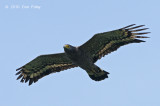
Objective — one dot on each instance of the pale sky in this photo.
(30, 28)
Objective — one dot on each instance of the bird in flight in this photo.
(83, 56)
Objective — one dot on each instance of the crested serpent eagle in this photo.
(83, 56)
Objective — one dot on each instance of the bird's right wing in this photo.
(42, 66)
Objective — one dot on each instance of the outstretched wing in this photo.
(42, 66)
(103, 43)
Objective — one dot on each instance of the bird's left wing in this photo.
(103, 43)
(42, 66)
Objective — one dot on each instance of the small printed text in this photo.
(22, 7)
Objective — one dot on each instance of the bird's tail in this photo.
(97, 74)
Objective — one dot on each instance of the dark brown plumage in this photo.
(83, 56)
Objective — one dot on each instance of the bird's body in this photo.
(76, 52)
(83, 56)
(85, 61)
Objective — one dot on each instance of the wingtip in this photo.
(140, 33)
(20, 76)
(142, 37)
(128, 26)
(139, 30)
(19, 68)
(30, 81)
(19, 72)
(132, 26)
(135, 27)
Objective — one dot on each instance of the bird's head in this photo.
(69, 48)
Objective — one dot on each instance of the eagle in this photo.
(84, 56)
